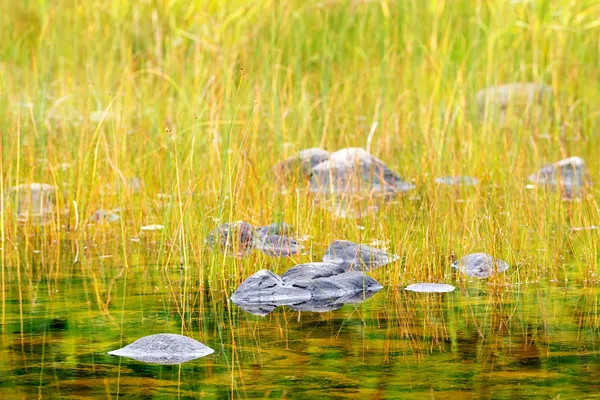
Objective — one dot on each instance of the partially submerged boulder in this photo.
(359, 256)
(513, 99)
(31, 202)
(480, 265)
(306, 288)
(355, 171)
(569, 176)
(298, 167)
(164, 348)
(235, 238)
(430, 288)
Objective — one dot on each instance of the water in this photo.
(482, 340)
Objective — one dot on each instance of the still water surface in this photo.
(481, 341)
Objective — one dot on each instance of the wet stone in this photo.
(430, 288)
(480, 265)
(301, 275)
(355, 171)
(31, 202)
(277, 246)
(569, 176)
(164, 348)
(357, 255)
(234, 238)
(304, 289)
(298, 167)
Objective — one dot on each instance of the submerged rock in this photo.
(306, 288)
(235, 238)
(569, 176)
(357, 255)
(457, 181)
(277, 246)
(276, 228)
(300, 274)
(430, 288)
(499, 102)
(164, 348)
(355, 171)
(31, 202)
(298, 167)
(480, 265)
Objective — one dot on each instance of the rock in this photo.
(298, 167)
(164, 348)
(276, 228)
(457, 181)
(307, 288)
(265, 287)
(354, 170)
(277, 246)
(512, 99)
(151, 228)
(357, 255)
(480, 265)
(33, 202)
(300, 274)
(430, 288)
(235, 238)
(569, 176)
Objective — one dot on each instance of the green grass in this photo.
(202, 98)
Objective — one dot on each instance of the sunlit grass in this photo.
(201, 99)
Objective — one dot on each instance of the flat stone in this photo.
(164, 348)
(234, 238)
(430, 288)
(569, 176)
(480, 265)
(357, 255)
(297, 168)
(355, 171)
(277, 246)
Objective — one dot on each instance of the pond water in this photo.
(484, 340)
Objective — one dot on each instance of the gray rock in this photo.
(480, 265)
(430, 288)
(164, 348)
(457, 181)
(304, 289)
(234, 238)
(357, 255)
(31, 202)
(514, 98)
(265, 287)
(301, 275)
(277, 246)
(569, 176)
(355, 171)
(298, 167)
(276, 228)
